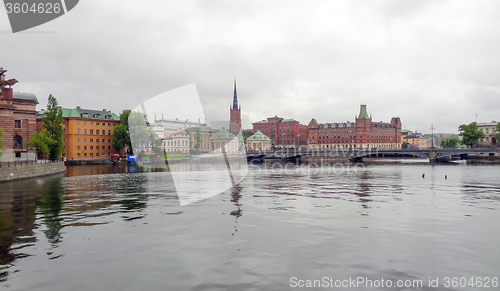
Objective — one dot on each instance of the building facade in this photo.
(363, 133)
(235, 114)
(177, 143)
(224, 142)
(171, 126)
(416, 141)
(17, 119)
(283, 133)
(490, 134)
(258, 142)
(87, 133)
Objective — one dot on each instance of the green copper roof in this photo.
(362, 113)
(83, 113)
(223, 135)
(258, 136)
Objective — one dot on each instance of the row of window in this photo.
(176, 143)
(92, 147)
(98, 132)
(91, 123)
(92, 140)
(92, 154)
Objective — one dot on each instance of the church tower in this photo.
(234, 114)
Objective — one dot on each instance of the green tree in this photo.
(405, 145)
(121, 136)
(197, 138)
(52, 124)
(449, 142)
(2, 134)
(470, 133)
(139, 131)
(40, 142)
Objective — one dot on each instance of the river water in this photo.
(118, 228)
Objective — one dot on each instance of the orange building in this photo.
(87, 134)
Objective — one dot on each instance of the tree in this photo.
(405, 145)
(197, 138)
(449, 142)
(122, 133)
(40, 142)
(2, 134)
(470, 133)
(52, 124)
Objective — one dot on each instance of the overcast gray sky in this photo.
(424, 61)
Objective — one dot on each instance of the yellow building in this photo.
(87, 133)
(416, 141)
(490, 134)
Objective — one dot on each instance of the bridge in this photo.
(433, 154)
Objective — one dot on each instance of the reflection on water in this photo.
(124, 227)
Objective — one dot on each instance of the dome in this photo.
(258, 136)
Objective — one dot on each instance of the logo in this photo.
(26, 14)
(170, 132)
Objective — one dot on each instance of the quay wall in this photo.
(30, 170)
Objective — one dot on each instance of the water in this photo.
(111, 228)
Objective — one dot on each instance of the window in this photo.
(78, 147)
(91, 140)
(18, 154)
(85, 131)
(91, 154)
(109, 132)
(103, 140)
(96, 140)
(97, 123)
(91, 131)
(103, 132)
(64, 130)
(109, 140)
(78, 140)
(97, 131)
(64, 122)
(79, 154)
(103, 154)
(17, 123)
(91, 123)
(84, 154)
(85, 122)
(84, 147)
(91, 147)
(78, 122)
(109, 124)
(78, 131)
(84, 140)
(18, 141)
(97, 147)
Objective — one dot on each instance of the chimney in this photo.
(7, 94)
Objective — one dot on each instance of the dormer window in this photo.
(108, 117)
(97, 115)
(84, 115)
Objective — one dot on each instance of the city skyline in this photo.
(427, 62)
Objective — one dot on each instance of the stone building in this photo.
(235, 114)
(177, 143)
(361, 134)
(224, 142)
(17, 119)
(287, 133)
(490, 138)
(171, 126)
(258, 142)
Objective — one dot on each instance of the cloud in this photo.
(419, 60)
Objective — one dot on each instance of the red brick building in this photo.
(362, 133)
(17, 119)
(235, 114)
(288, 133)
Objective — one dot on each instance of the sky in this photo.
(427, 62)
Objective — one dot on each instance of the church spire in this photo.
(235, 98)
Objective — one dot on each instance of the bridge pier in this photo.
(432, 155)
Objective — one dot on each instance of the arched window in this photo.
(18, 141)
